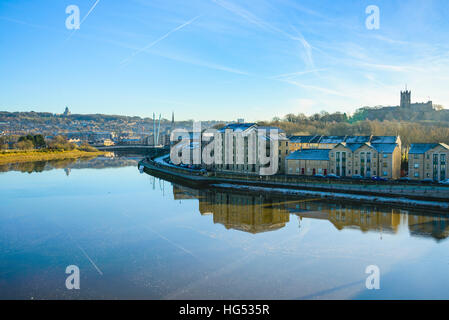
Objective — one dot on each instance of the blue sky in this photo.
(221, 59)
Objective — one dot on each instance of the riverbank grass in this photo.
(19, 156)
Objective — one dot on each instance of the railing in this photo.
(350, 185)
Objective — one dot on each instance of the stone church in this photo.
(414, 107)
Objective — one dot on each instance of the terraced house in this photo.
(366, 160)
(245, 137)
(308, 162)
(428, 161)
(347, 156)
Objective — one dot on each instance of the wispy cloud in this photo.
(171, 56)
(25, 23)
(151, 44)
(198, 62)
(299, 73)
(245, 14)
(316, 88)
(307, 57)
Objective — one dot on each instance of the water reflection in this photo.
(256, 213)
(111, 161)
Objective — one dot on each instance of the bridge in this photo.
(139, 149)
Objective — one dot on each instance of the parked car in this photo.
(405, 179)
(357, 176)
(332, 176)
(376, 178)
(445, 182)
(319, 175)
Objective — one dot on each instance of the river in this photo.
(134, 236)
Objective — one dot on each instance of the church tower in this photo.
(406, 98)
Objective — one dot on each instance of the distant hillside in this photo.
(399, 114)
(31, 115)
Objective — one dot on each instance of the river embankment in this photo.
(405, 195)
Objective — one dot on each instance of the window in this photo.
(385, 173)
(416, 156)
(385, 156)
(417, 174)
(416, 165)
(435, 167)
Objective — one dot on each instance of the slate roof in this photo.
(384, 139)
(304, 139)
(354, 146)
(385, 147)
(421, 148)
(239, 127)
(309, 154)
(332, 139)
(357, 139)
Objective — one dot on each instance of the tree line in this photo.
(38, 142)
(340, 124)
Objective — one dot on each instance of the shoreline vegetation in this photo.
(32, 148)
(21, 156)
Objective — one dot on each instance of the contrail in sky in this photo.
(85, 17)
(158, 40)
(88, 13)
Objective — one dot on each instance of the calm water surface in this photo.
(136, 236)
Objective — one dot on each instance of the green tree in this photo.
(24, 145)
(39, 141)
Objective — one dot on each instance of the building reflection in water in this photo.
(256, 213)
(244, 212)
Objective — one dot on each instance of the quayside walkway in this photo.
(382, 192)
